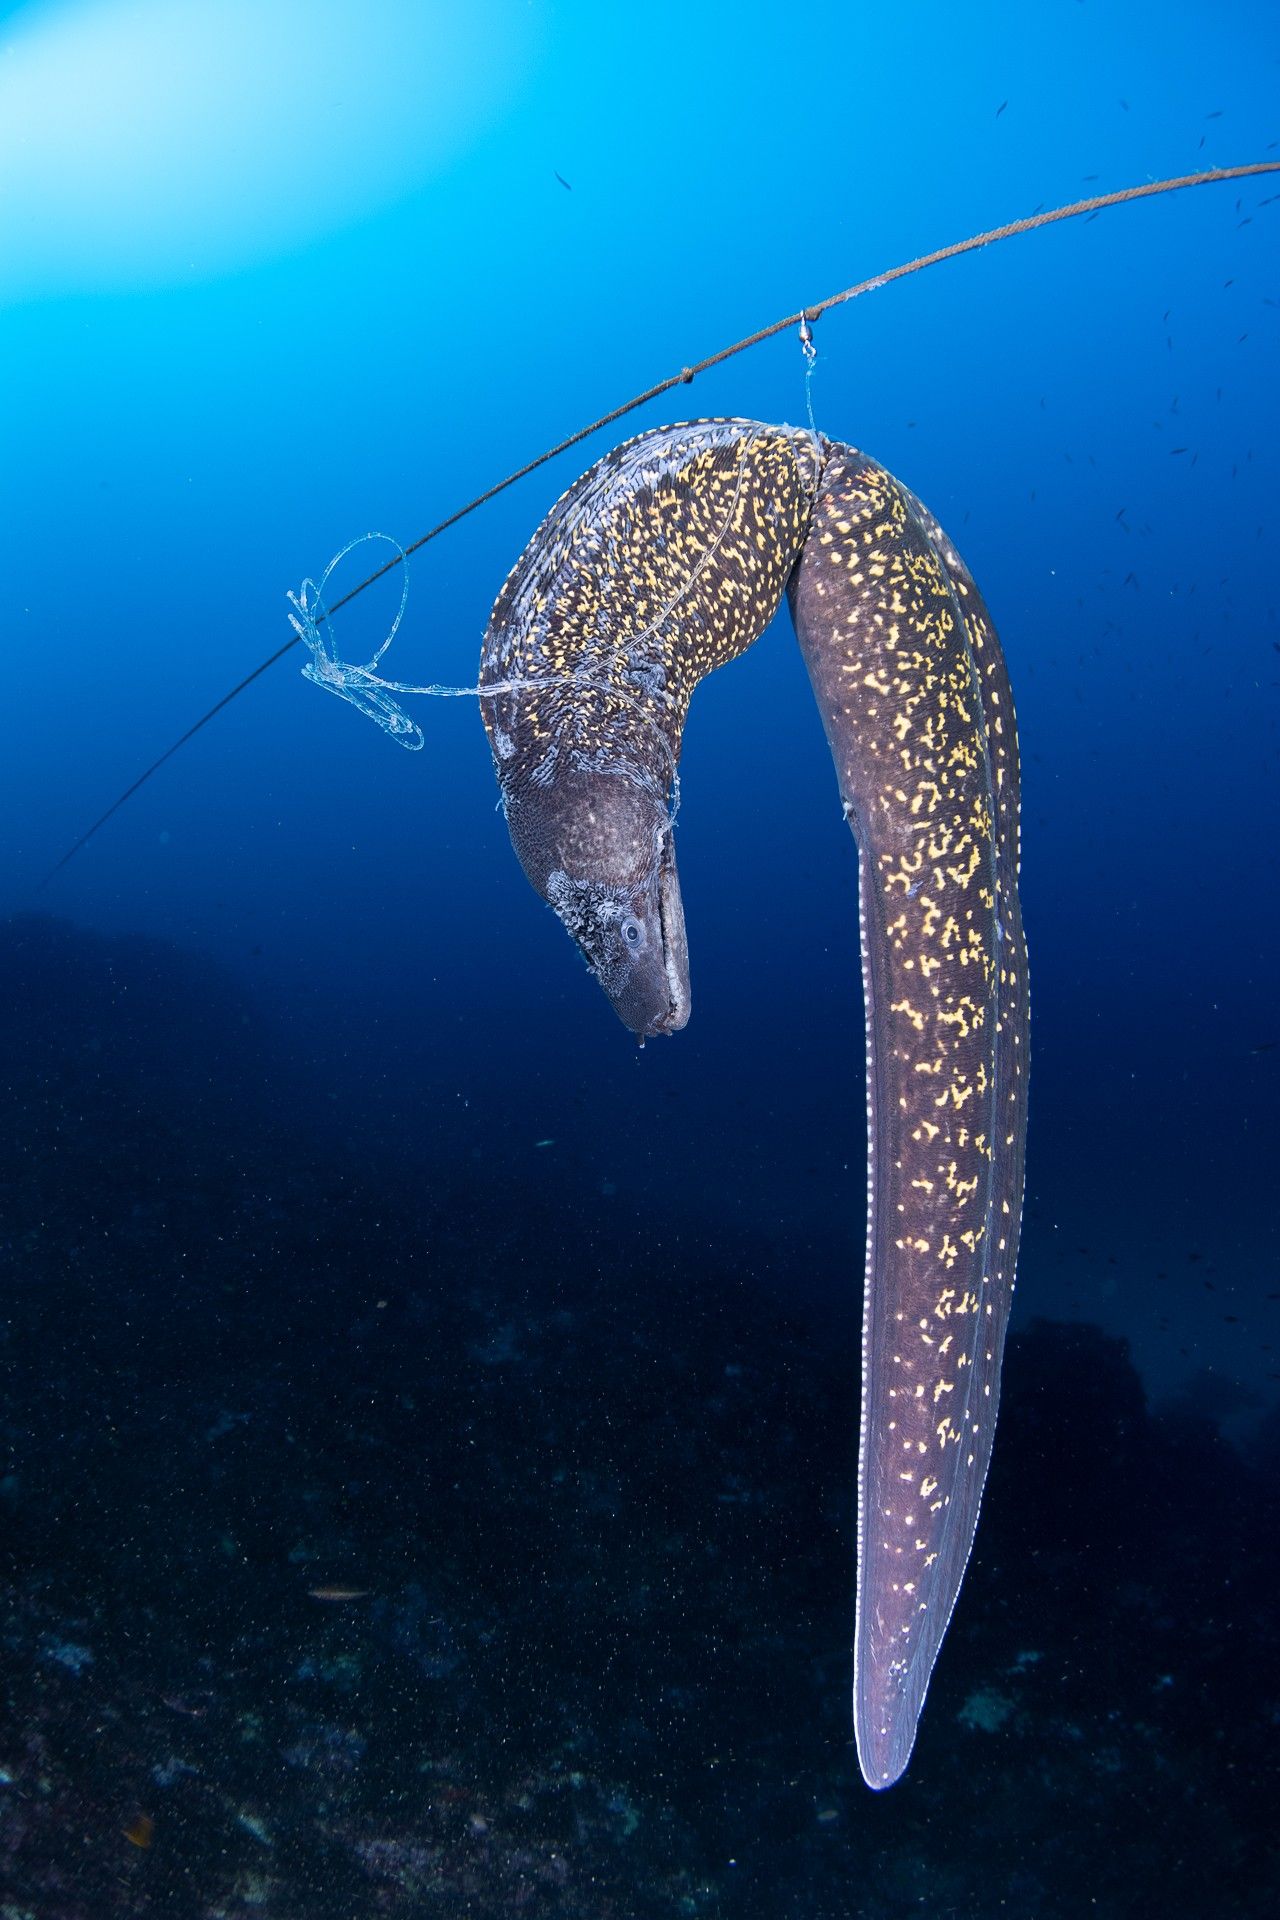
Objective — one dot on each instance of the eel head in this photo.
(598, 847)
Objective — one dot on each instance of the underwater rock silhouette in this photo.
(656, 1493)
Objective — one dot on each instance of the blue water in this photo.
(272, 277)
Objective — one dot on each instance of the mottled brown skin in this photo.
(664, 561)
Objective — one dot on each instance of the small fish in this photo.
(139, 1832)
(544, 1143)
(177, 1704)
(339, 1593)
(1000, 109)
(563, 182)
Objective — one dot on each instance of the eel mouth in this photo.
(675, 948)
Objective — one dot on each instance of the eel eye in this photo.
(632, 932)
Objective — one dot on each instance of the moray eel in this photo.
(665, 560)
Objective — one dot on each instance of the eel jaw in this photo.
(675, 945)
(650, 992)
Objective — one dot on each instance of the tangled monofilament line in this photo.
(364, 688)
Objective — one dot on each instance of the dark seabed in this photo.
(587, 1494)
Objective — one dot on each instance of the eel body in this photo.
(664, 561)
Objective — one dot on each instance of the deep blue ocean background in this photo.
(344, 1229)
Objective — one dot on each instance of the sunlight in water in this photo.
(148, 142)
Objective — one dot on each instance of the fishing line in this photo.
(367, 689)
(804, 319)
(810, 353)
(364, 688)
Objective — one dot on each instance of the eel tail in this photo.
(911, 684)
